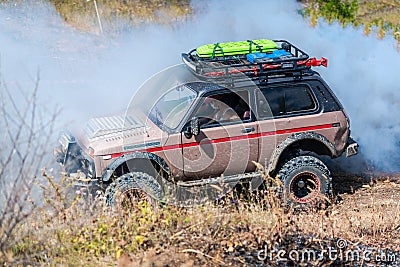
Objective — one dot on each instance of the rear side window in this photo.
(281, 101)
(298, 99)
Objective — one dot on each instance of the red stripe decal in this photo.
(228, 139)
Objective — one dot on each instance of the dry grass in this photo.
(372, 214)
(82, 14)
(114, 16)
(89, 234)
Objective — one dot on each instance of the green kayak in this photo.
(236, 48)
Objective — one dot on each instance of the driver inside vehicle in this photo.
(215, 110)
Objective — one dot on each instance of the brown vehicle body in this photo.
(285, 117)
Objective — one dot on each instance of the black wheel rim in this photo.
(305, 187)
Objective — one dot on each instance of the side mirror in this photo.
(193, 128)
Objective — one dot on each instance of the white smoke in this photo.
(95, 75)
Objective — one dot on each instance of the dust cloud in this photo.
(91, 75)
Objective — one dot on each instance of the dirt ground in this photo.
(375, 203)
(365, 214)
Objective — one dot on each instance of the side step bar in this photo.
(222, 180)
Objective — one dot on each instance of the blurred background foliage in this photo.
(380, 16)
(82, 14)
(114, 15)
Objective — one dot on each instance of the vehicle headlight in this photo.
(65, 140)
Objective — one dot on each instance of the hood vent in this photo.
(103, 126)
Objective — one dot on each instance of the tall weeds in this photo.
(24, 131)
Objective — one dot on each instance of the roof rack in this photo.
(256, 62)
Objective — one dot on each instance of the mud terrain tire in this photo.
(306, 180)
(139, 183)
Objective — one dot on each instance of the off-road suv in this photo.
(202, 125)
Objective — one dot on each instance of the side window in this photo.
(298, 99)
(223, 108)
(271, 102)
(280, 101)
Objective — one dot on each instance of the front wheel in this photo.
(131, 188)
(305, 180)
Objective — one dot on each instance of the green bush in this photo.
(334, 10)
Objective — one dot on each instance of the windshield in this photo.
(172, 107)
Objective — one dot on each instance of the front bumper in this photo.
(74, 159)
(351, 147)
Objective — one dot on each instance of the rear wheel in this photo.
(131, 188)
(306, 180)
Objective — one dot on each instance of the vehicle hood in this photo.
(120, 133)
(106, 126)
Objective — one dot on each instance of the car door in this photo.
(280, 112)
(227, 143)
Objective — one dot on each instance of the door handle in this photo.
(248, 130)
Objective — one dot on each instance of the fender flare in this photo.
(108, 172)
(295, 138)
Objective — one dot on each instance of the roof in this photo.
(202, 87)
